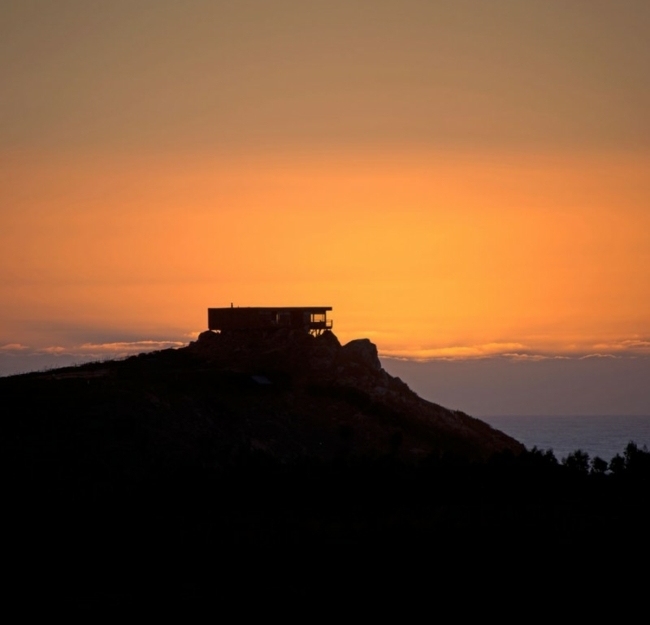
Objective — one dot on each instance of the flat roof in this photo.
(270, 308)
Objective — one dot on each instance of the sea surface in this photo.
(597, 435)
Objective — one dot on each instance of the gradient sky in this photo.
(462, 181)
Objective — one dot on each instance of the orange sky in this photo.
(459, 180)
(427, 254)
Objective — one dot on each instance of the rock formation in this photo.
(342, 395)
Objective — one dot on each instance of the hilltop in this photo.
(286, 395)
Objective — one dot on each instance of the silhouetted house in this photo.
(308, 318)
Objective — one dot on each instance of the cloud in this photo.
(129, 346)
(456, 352)
(525, 357)
(13, 347)
(55, 349)
(513, 351)
(117, 349)
(634, 345)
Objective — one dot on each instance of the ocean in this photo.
(597, 435)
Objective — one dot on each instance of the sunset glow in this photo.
(460, 181)
(430, 255)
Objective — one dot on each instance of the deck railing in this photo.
(321, 325)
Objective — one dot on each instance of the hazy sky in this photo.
(460, 180)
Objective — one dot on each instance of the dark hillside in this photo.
(288, 395)
(260, 470)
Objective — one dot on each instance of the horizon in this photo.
(466, 184)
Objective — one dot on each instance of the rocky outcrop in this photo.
(355, 394)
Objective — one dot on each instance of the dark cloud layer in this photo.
(501, 386)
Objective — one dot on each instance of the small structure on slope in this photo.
(311, 319)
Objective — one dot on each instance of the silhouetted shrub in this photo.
(598, 466)
(577, 461)
(617, 465)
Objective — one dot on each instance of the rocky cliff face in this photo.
(227, 398)
(342, 393)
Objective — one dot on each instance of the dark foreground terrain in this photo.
(284, 468)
